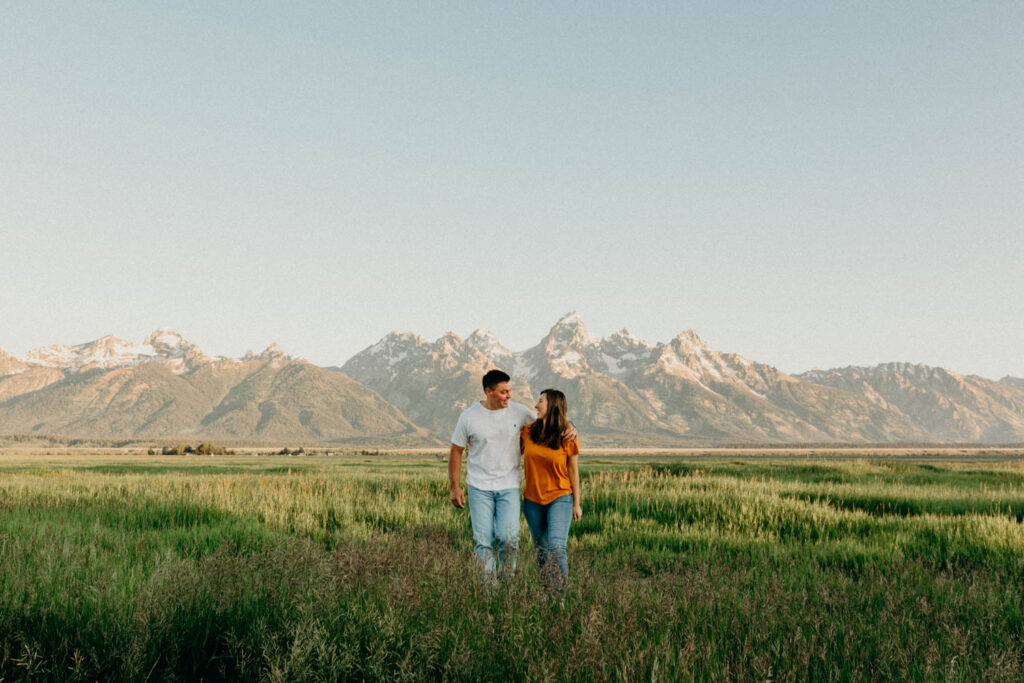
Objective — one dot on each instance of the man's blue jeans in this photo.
(549, 526)
(495, 518)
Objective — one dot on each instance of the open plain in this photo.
(706, 565)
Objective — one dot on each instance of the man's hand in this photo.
(458, 498)
(570, 432)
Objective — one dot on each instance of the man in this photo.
(490, 429)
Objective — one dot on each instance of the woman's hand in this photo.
(577, 512)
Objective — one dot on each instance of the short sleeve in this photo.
(460, 437)
(572, 447)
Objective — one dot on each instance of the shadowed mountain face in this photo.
(166, 387)
(947, 405)
(625, 390)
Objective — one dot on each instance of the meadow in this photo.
(244, 568)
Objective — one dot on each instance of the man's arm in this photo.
(457, 497)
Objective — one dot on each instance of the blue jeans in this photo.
(549, 526)
(495, 518)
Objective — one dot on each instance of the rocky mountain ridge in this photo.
(163, 345)
(626, 390)
(407, 390)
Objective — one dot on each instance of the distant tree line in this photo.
(201, 449)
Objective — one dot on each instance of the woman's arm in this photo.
(577, 493)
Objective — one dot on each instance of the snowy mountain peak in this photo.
(166, 340)
(569, 331)
(624, 339)
(449, 342)
(908, 371)
(570, 318)
(625, 335)
(487, 343)
(54, 355)
(689, 342)
(396, 342)
(110, 352)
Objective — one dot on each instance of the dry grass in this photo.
(355, 568)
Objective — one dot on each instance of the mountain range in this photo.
(406, 390)
(167, 387)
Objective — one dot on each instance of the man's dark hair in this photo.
(493, 378)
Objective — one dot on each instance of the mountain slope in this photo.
(167, 387)
(948, 406)
(9, 365)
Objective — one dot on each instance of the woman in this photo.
(552, 497)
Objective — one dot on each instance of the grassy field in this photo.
(188, 568)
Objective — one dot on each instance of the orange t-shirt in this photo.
(546, 469)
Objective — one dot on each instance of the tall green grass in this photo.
(299, 569)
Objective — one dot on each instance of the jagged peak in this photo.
(570, 318)
(392, 338)
(626, 338)
(273, 352)
(480, 334)
(901, 368)
(450, 338)
(165, 337)
(108, 342)
(486, 342)
(569, 330)
(689, 341)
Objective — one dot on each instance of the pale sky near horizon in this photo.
(806, 184)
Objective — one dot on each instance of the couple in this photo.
(496, 432)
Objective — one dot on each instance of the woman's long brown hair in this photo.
(548, 430)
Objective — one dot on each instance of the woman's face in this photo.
(542, 407)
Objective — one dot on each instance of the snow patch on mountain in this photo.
(487, 343)
(164, 345)
(569, 364)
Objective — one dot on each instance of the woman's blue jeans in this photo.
(549, 526)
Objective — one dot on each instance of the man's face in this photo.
(499, 395)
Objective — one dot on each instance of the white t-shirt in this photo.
(491, 438)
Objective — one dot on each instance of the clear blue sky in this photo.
(807, 184)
